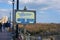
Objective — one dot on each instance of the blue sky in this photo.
(47, 11)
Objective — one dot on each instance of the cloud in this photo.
(53, 3)
(27, 1)
(6, 1)
(33, 1)
(10, 2)
(50, 4)
(45, 8)
(4, 12)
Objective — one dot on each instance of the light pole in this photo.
(12, 2)
(13, 10)
(12, 23)
(17, 5)
(17, 8)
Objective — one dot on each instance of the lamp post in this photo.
(13, 15)
(17, 8)
(17, 5)
(13, 9)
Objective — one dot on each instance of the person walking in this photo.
(6, 26)
(0, 27)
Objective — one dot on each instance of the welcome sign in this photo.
(25, 17)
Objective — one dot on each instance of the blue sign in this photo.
(25, 17)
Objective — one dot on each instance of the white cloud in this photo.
(52, 4)
(33, 1)
(55, 4)
(9, 2)
(45, 8)
(26, 1)
(6, 1)
(4, 12)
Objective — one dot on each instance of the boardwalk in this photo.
(5, 36)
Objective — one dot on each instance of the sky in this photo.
(47, 11)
